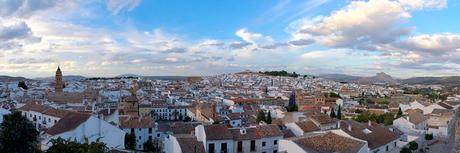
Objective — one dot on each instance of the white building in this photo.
(323, 142)
(143, 128)
(440, 123)
(219, 138)
(81, 126)
(42, 116)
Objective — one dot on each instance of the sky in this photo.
(403, 38)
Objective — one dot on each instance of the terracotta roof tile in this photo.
(328, 143)
(377, 137)
(69, 122)
(217, 132)
(136, 122)
(308, 126)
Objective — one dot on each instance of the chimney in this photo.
(243, 131)
(369, 123)
(349, 127)
(338, 124)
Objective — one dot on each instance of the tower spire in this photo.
(58, 80)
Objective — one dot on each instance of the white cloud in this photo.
(254, 38)
(435, 43)
(25, 8)
(171, 59)
(421, 4)
(117, 6)
(360, 22)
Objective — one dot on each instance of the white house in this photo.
(379, 139)
(81, 126)
(414, 123)
(143, 128)
(323, 142)
(219, 138)
(440, 122)
(42, 116)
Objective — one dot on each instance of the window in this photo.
(253, 145)
(275, 142)
(275, 151)
(140, 129)
(150, 137)
(150, 130)
(387, 148)
(394, 144)
(240, 146)
(158, 135)
(263, 144)
(211, 148)
(132, 130)
(55, 121)
(223, 148)
(39, 117)
(264, 152)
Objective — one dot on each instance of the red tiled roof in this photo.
(307, 126)
(136, 122)
(377, 137)
(217, 132)
(328, 143)
(69, 122)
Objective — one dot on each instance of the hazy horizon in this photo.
(106, 38)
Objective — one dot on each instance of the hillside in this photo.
(447, 81)
(378, 78)
(5, 78)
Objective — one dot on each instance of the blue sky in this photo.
(404, 38)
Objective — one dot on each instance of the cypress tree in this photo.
(332, 115)
(339, 113)
(269, 118)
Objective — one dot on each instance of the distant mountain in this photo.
(340, 77)
(5, 78)
(64, 78)
(378, 78)
(447, 81)
(129, 75)
(165, 77)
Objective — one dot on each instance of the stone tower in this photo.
(58, 84)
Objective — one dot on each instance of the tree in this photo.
(22, 84)
(405, 150)
(413, 145)
(130, 141)
(339, 113)
(149, 146)
(400, 113)
(260, 116)
(334, 95)
(429, 136)
(268, 120)
(60, 145)
(332, 114)
(17, 134)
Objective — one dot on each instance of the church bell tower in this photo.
(58, 84)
